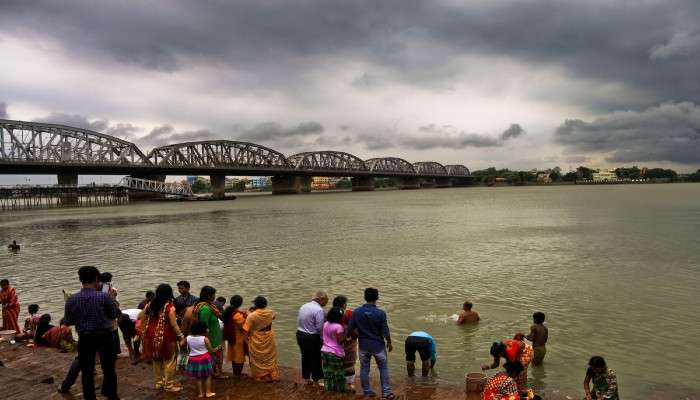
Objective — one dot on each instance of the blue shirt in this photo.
(371, 326)
(433, 349)
(90, 311)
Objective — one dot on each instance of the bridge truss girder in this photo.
(457, 170)
(430, 168)
(393, 165)
(217, 154)
(35, 142)
(327, 161)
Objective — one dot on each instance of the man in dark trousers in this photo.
(93, 313)
(309, 337)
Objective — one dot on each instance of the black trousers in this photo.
(90, 344)
(310, 346)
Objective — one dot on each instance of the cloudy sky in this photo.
(518, 84)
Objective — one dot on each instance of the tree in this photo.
(201, 186)
(628, 173)
(584, 173)
(344, 183)
(555, 174)
(660, 173)
(695, 177)
(570, 177)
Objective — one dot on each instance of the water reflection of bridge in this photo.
(39, 148)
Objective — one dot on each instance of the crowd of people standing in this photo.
(197, 334)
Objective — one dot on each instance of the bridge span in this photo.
(42, 148)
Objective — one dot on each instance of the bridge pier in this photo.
(427, 183)
(460, 182)
(147, 196)
(68, 198)
(362, 183)
(305, 183)
(442, 182)
(291, 184)
(218, 186)
(409, 183)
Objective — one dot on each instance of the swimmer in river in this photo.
(467, 315)
(13, 246)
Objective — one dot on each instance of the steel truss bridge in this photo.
(41, 148)
(154, 186)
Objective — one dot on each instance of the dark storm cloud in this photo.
(375, 142)
(513, 131)
(120, 130)
(270, 131)
(445, 136)
(166, 134)
(647, 45)
(75, 120)
(431, 136)
(3, 109)
(668, 132)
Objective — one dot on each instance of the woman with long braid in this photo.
(160, 335)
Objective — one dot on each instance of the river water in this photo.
(615, 268)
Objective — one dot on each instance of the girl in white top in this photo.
(200, 364)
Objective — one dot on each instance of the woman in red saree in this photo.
(159, 337)
(502, 386)
(10, 307)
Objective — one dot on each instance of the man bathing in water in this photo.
(13, 246)
(467, 315)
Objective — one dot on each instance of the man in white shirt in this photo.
(309, 336)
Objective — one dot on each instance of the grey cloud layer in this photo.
(3, 109)
(120, 130)
(668, 132)
(166, 134)
(649, 45)
(311, 135)
(513, 131)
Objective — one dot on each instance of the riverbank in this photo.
(34, 373)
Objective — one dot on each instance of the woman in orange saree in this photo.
(234, 319)
(10, 307)
(261, 342)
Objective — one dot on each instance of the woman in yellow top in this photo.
(261, 342)
(234, 319)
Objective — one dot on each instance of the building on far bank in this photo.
(604, 175)
(321, 183)
(544, 177)
(257, 183)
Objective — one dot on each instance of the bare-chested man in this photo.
(467, 315)
(538, 336)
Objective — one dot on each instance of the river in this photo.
(615, 268)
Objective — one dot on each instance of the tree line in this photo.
(514, 177)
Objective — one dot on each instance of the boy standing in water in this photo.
(538, 336)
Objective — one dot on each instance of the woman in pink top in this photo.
(332, 352)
